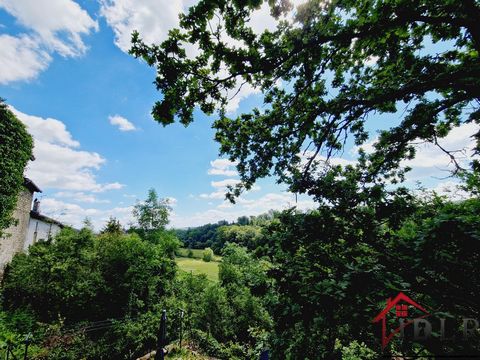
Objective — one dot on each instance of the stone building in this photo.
(31, 226)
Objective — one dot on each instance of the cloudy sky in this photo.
(66, 73)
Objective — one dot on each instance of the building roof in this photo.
(44, 218)
(30, 185)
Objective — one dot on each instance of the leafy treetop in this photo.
(152, 214)
(322, 76)
(112, 226)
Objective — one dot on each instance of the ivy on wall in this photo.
(16, 146)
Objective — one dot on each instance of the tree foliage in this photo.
(248, 236)
(16, 146)
(152, 214)
(334, 274)
(200, 237)
(87, 296)
(323, 75)
(112, 226)
(207, 255)
(79, 276)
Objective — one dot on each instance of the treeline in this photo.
(246, 231)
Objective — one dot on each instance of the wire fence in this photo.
(10, 349)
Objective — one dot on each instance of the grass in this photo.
(197, 253)
(197, 266)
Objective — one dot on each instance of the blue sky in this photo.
(65, 71)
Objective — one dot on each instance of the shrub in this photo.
(207, 255)
(207, 343)
(83, 277)
(356, 350)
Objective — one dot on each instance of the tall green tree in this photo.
(112, 226)
(323, 75)
(152, 214)
(16, 146)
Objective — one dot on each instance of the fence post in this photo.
(27, 343)
(160, 355)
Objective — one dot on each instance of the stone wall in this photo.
(39, 230)
(13, 242)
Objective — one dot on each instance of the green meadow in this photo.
(196, 253)
(197, 266)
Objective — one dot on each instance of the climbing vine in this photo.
(16, 146)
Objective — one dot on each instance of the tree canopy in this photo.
(152, 214)
(323, 74)
(16, 146)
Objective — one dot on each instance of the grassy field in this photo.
(197, 266)
(197, 253)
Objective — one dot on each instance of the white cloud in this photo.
(225, 205)
(214, 171)
(459, 139)
(58, 23)
(219, 194)
(54, 26)
(243, 207)
(80, 197)
(430, 161)
(261, 20)
(222, 167)
(319, 162)
(151, 18)
(172, 201)
(49, 130)
(122, 123)
(110, 186)
(225, 183)
(451, 190)
(74, 214)
(201, 218)
(21, 58)
(276, 201)
(58, 163)
(237, 94)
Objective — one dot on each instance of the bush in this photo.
(78, 279)
(356, 350)
(169, 243)
(212, 347)
(207, 255)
